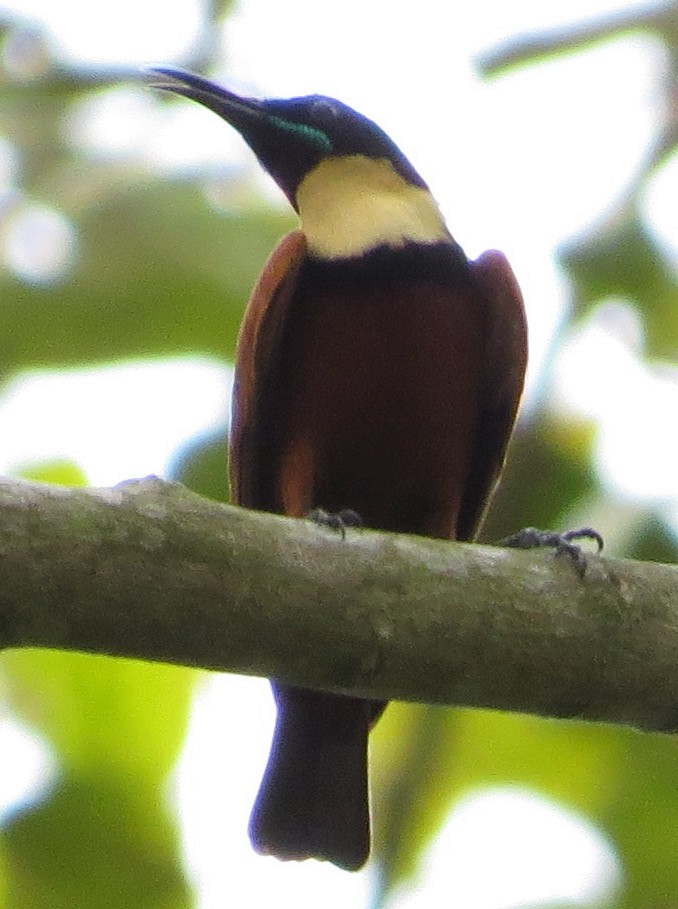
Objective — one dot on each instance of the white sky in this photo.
(507, 162)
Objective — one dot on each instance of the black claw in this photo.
(336, 520)
(584, 533)
(533, 538)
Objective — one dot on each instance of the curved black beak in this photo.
(285, 149)
(244, 114)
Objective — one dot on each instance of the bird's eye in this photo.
(324, 111)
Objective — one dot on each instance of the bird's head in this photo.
(339, 170)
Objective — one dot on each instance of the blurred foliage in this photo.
(203, 466)
(623, 781)
(622, 260)
(118, 307)
(59, 473)
(550, 446)
(104, 836)
(158, 270)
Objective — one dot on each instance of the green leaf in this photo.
(60, 473)
(413, 785)
(622, 260)
(158, 273)
(95, 844)
(442, 754)
(203, 466)
(105, 836)
(654, 541)
(102, 710)
(548, 469)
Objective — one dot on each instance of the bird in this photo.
(378, 372)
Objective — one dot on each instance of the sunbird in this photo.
(378, 371)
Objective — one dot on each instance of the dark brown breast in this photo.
(374, 399)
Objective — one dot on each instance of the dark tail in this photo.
(313, 800)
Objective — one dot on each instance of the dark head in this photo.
(323, 153)
(291, 136)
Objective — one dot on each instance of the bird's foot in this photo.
(562, 543)
(336, 520)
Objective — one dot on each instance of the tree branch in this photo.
(657, 17)
(151, 570)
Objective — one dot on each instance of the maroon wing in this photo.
(256, 359)
(504, 363)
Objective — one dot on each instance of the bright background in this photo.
(131, 228)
